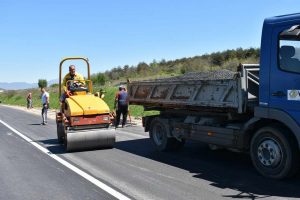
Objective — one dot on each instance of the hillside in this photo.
(228, 59)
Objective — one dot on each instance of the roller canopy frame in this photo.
(86, 60)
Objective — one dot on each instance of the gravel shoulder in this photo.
(52, 113)
(36, 111)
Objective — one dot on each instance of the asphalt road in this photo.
(133, 168)
(27, 173)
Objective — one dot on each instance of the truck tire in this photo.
(159, 137)
(60, 133)
(274, 153)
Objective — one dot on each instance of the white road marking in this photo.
(83, 174)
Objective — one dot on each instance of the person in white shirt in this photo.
(45, 101)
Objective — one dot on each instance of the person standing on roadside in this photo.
(121, 103)
(29, 100)
(45, 102)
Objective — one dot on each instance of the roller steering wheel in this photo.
(76, 84)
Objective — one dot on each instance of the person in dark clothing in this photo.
(121, 103)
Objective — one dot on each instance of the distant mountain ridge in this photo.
(22, 85)
(17, 85)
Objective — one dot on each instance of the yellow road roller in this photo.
(83, 122)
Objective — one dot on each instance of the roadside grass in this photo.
(109, 98)
(18, 98)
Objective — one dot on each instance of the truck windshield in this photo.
(289, 55)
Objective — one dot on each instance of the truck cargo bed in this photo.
(201, 90)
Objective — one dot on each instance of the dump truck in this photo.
(83, 122)
(255, 109)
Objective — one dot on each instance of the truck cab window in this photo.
(289, 55)
(289, 50)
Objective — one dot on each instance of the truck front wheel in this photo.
(159, 136)
(274, 153)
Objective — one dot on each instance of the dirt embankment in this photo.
(37, 111)
(52, 112)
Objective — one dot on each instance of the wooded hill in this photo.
(228, 59)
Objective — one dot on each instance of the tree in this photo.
(240, 54)
(142, 68)
(217, 58)
(125, 68)
(42, 83)
(162, 62)
(229, 54)
(154, 64)
(101, 79)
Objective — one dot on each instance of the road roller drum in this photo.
(89, 139)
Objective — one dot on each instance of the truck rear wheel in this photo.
(60, 132)
(274, 153)
(159, 136)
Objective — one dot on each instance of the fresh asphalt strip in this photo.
(78, 171)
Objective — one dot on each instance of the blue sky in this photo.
(36, 35)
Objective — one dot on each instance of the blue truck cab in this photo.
(275, 146)
(280, 65)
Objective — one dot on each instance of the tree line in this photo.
(228, 59)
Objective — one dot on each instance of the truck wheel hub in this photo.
(269, 153)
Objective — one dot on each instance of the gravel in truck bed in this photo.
(212, 75)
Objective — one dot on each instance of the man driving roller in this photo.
(71, 76)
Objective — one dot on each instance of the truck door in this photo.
(285, 71)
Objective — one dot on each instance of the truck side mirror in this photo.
(291, 33)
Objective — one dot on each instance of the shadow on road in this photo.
(223, 168)
(53, 146)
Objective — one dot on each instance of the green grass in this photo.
(18, 97)
(109, 98)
